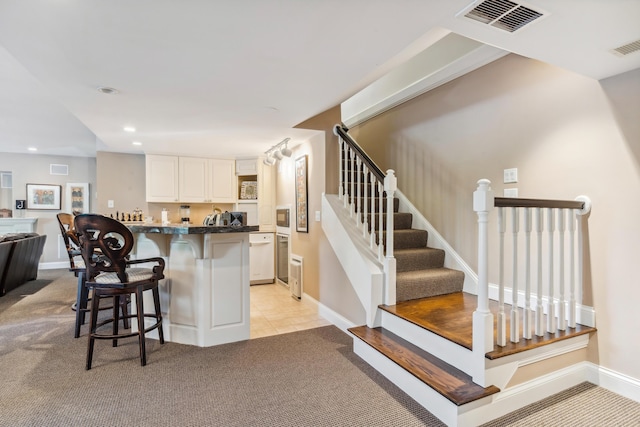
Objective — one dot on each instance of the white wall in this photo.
(567, 135)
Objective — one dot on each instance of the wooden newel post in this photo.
(483, 202)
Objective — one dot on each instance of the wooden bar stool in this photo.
(111, 274)
(77, 267)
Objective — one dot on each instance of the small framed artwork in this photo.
(44, 196)
(77, 198)
(301, 195)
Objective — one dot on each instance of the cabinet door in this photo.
(222, 180)
(161, 178)
(194, 180)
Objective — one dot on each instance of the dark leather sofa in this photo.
(19, 257)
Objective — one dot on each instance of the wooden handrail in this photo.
(513, 202)
(341, 131)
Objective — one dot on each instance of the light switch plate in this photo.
(511, 176)
(110, 203)
(317, 216)
(510, 192)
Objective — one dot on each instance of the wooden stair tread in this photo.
(447, 380)
(451, 316)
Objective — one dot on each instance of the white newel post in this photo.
(483, 202)
(390, 187)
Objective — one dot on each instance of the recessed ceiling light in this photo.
(137, 143)
(129, 129)
(32, 149)
(108, 90)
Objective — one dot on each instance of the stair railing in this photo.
(560, 270)
(361, 184)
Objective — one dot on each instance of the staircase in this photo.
(420, 270)
(423, 340)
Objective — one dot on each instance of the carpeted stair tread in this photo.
(401, 220)
(455, 385)
(411, 238)
(426, 283)
(418, 258)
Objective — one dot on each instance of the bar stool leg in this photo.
(116, 318)
(79, 297)
(156, 303)
(140, 315)
(95, 301)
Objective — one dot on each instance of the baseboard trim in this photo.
(336, 319)
(53, 265)
(616, 382)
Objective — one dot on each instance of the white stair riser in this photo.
(443, 349)
(427, 397)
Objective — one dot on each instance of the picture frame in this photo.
(302, 217)
(44, 197)
(77, 198)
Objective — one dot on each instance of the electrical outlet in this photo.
(510, 192)
(110, 203)
(511, 176)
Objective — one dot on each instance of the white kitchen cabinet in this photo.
(162, 178)
(222, 181)
(190, 179)
(194, 177)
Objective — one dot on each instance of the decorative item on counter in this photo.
(214, 217)
(225, 218)
(165, 216)
(238, 219)
(185, 213)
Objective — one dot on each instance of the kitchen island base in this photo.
(205, 293)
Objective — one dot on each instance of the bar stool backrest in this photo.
(107, 237)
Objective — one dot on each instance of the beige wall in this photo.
(34, 169)
(568, 135)
(325, 280)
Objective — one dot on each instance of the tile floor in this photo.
(274, 312)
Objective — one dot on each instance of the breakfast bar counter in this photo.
(205, 293)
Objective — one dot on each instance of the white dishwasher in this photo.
(261, 258)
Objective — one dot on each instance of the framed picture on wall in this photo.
(301, 195)
(44, 196)
(77, 198)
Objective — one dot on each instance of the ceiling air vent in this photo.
(503, 14)
(627, 48)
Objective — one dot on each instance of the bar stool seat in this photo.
(112, 274)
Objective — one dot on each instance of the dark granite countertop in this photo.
(189, 229)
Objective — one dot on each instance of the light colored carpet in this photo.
(306, 378)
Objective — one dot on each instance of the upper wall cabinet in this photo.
(162, 178)
(197, 180)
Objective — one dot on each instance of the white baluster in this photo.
(380, 223)
(372, 234)
(515, 315)
(526, 319)
(551, 312)
(342, 169)
(501, 335)
(365, 218)
(539, 308)
(352, 193)
(573, 217)
(562, 319)
(358, 217)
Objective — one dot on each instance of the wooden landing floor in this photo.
(450, 316)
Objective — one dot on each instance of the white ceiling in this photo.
(232, 78)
